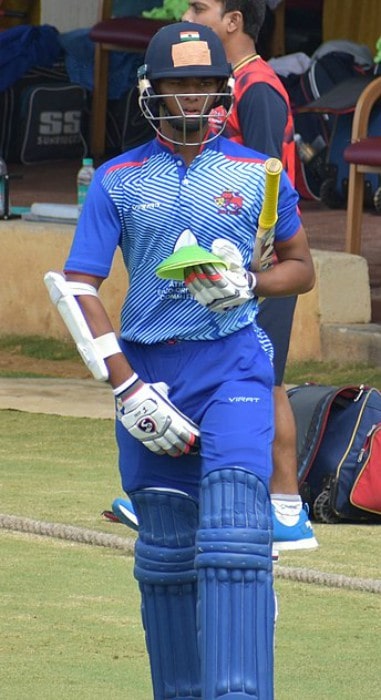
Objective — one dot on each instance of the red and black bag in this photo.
(366, 491)
(339, 451)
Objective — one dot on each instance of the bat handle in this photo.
(269, 214)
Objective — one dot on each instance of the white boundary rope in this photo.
(66, 532)
(320, 578)
(126, 544)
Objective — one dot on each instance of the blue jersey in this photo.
(144, 200)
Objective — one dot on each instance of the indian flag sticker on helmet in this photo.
(189, 36)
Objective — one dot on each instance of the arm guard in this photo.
(92, 350)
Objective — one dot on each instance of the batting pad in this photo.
(164, 567)
(235, 587)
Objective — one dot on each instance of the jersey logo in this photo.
(229, 202)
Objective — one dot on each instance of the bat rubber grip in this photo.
(269, 214)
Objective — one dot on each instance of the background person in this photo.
(261, 119)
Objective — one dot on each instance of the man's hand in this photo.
(220, 290)
(149, 416)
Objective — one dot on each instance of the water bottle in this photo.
(305, 150)
(84, 177)
(4, 191)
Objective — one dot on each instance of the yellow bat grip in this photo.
(269, 214)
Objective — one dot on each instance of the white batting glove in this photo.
(149, 416)
(217, 289)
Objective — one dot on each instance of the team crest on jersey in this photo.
(229, 202)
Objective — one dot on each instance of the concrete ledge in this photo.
(342, 287)
(355, 342)
(340, 297)
(28, 251)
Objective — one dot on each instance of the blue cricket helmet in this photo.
(186, 49)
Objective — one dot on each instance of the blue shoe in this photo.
(124, 511)
(289, 533)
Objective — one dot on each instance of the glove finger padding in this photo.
(150, 417)
(217, 289)
(204, 283)
(228, 251)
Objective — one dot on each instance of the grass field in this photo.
(60, 354)
(69, 612)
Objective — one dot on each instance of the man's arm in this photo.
(294, 273)
(222, 290)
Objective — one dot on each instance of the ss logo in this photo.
(57, 123)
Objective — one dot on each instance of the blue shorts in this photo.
(275, 316)
(225, 386)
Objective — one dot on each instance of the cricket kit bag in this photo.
(6, 111)
(45, 114)
(126, 127)
(339, 451)
(329, 167)
(332, 64)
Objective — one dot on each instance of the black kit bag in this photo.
(330, 166)
(333, 63)
(338, 433)
(46, 116)
(126, 127)
(6, 118)
(324, 73)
